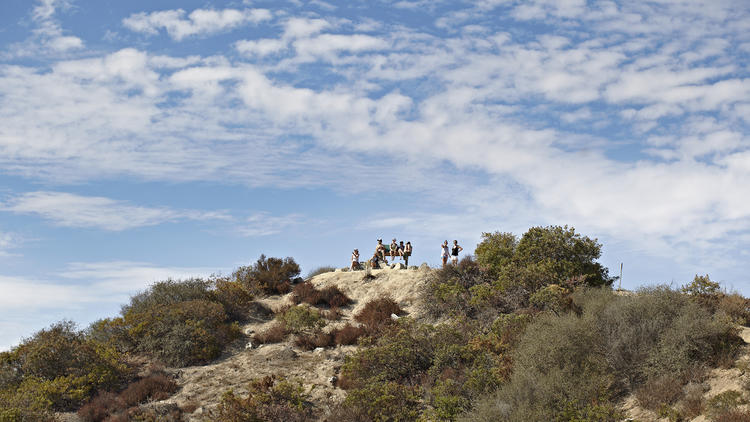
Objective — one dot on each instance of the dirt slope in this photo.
(205, 384)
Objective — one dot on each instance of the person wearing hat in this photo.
(355, 260)
(380, 251)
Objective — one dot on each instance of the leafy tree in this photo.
(543, 256)
(495, 251)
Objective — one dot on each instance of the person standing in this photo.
(454, 252)
(407, 253)
(355, 260)
(444, 253)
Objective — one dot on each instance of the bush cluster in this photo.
(656, 340)
(411, 369)
(180, 323)
(268, 399)
(57, 369)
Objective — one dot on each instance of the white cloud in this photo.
(198, 22)
(264, 224)
(113, 279)
(487, 103)
(304, 27)
(326, 45)
(8, 241)
(261, 48)
(48, 36)
(70, 210)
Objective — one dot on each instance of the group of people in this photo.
(400, 250)
(445, 252)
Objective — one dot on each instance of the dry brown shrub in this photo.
(735, 415)
(736, 306)
(314, 340)
(307, 293)
(659, 391)
(100, 407)
(377, 314)
(334, 297)
(273, 334)
(348, 334)
(155, 387)
(333, 314)
(692, 404)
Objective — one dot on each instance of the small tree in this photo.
(495, 251)
(543, 256)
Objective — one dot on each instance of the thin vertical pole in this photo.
(620, 288)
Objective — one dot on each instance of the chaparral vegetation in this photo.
(526, 329)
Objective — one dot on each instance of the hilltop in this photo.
(525, 329)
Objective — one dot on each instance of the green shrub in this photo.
(236, 300)
(268, 275)
(543, 255)
(552, 298)
(402, 355)
(268, 399)
(298, 319)
(460, 290)
(185, 333)
(380, 402)
(58, 369)
(565, 364)
(495, 251)
(166, 293)
(451, 364)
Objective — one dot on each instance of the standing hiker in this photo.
(407, 253)
(444, 253)
(355, 260)
(454, 252)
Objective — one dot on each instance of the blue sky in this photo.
(146, 140)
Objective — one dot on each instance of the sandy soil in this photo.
(240, 364)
